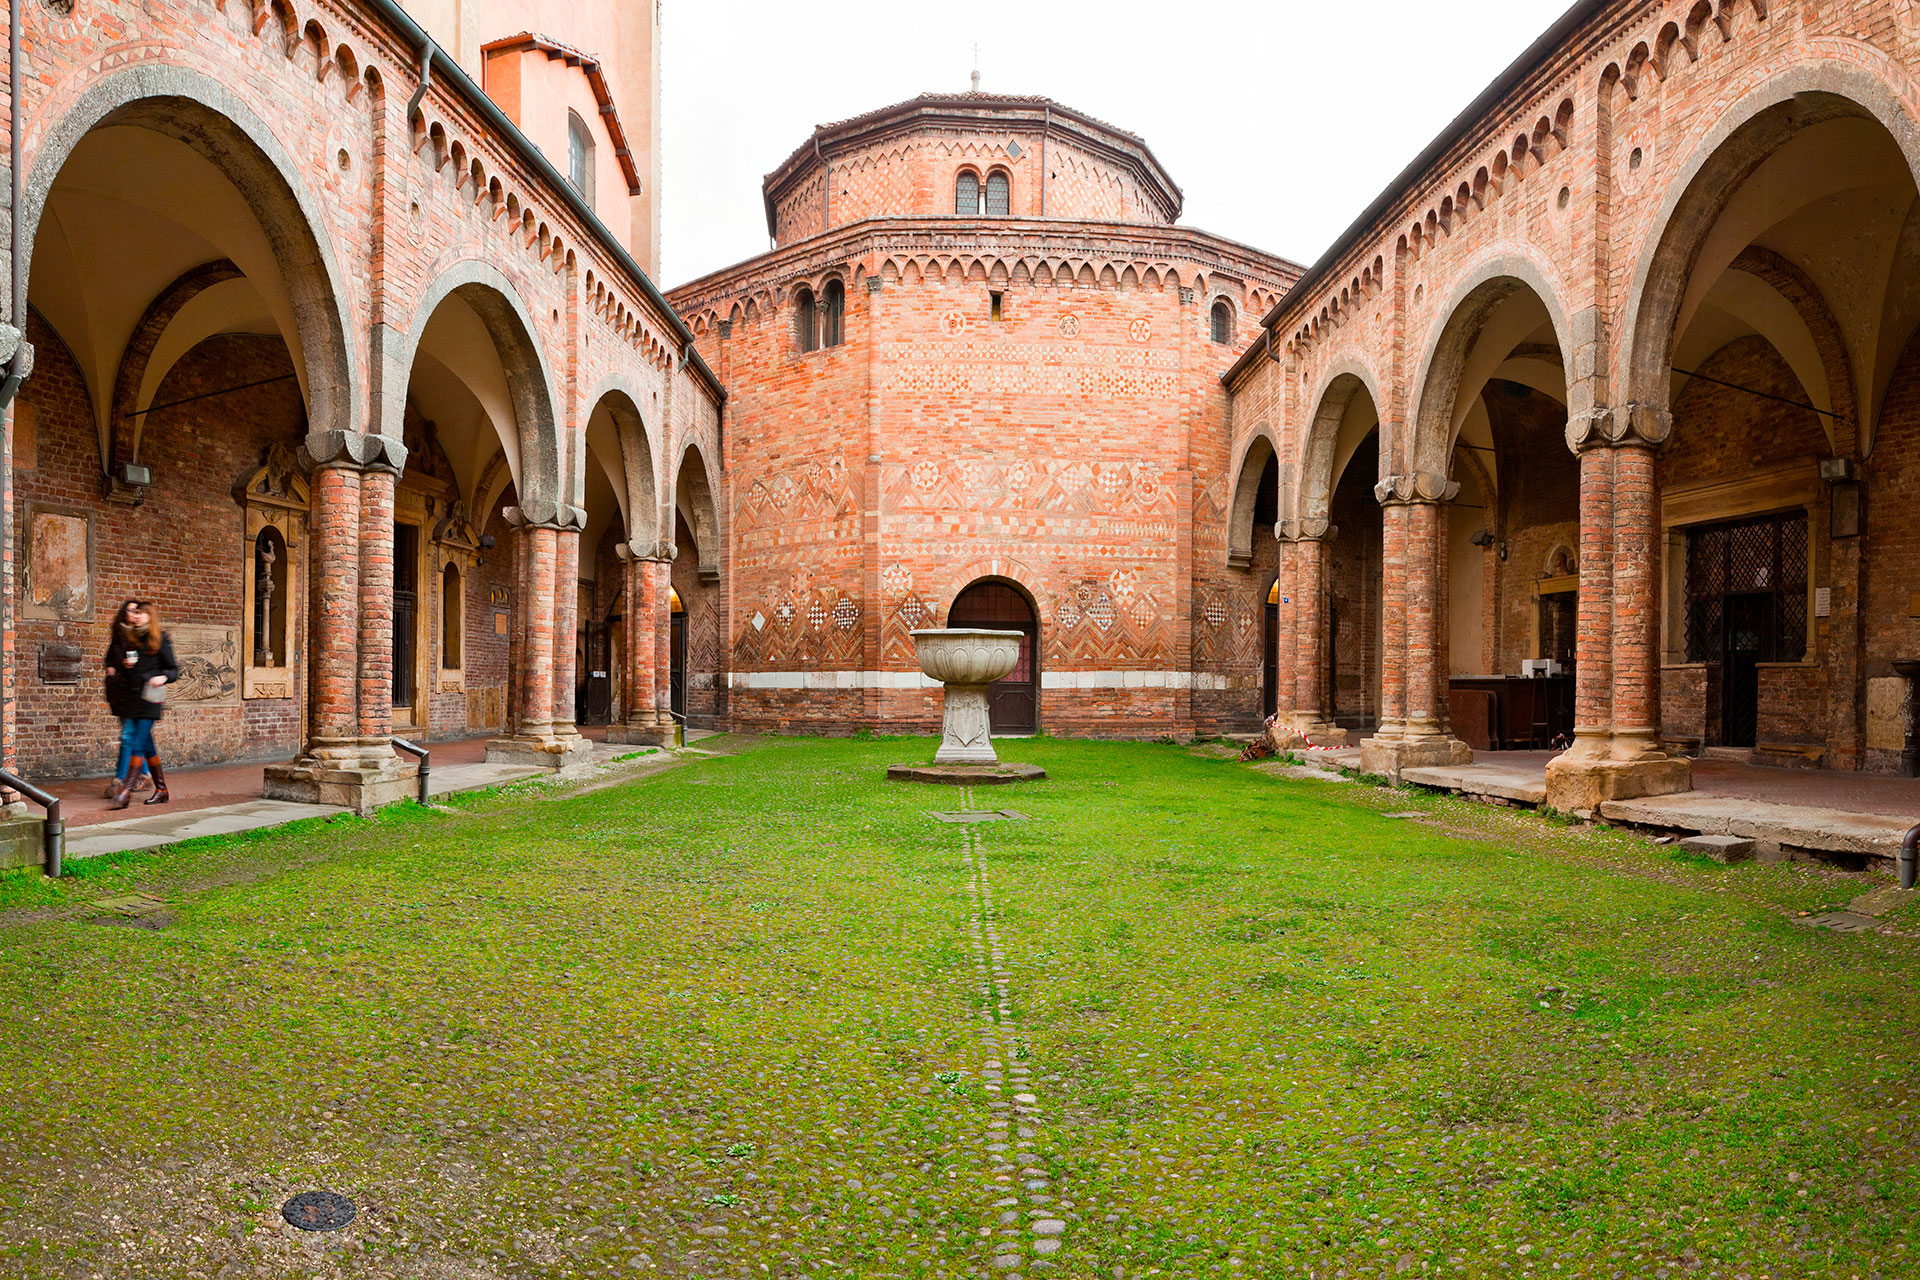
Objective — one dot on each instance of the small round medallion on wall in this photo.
(62, 19)
(1069, 325)
(1141, 330)
(955, 324)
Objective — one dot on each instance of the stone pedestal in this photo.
(966, 661)
(1580, 784)
(361, 780)
(1393, 756)
(22, 841)
(631, 734)
(540, 751)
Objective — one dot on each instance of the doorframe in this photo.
(1033, 630)
(411, 507)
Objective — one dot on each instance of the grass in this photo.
(725, 1022)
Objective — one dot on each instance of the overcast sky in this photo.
(1280, 119)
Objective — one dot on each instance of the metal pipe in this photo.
(54, 834)
(426, 77)
(1909, 858)
(419, 753)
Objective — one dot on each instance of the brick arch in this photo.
(136, 360)
(693, 499)
(1492, 278)
(1345, 376)
(1261, 447)
(540, 483)
(1741, 139)
(192, 108)
(645, 521)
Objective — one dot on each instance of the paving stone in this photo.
(1727, 849)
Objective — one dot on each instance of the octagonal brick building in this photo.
(977, 382)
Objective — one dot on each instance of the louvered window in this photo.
(998, 192)
(830, 327)
(1222, 322)
(966, 194)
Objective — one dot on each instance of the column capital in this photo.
(546, 515)
(1642, 426)
(646, 552)
(1308, 529)
(356, 450)
(1420, 487)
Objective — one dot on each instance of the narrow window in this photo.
(451, 621)
(996, 295)
(1222, 322)
(836, 308)
(580, 156)
(966, 194)
(998, 195)
(805, 331)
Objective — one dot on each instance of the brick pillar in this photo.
(347, 759)
(375, 660)
(1303, 546)
(1286, 641)
(663, 644)
(566, 629)
(1413, 678)
(1616, 753)
(641, 722)
(541, 731)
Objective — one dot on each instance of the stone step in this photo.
(1785, 826)
(1720, 848)
(1497, 784)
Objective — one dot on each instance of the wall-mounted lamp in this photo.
(1485, 538)
(486, 542)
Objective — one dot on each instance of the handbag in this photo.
(154, 692)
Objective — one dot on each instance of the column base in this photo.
(1581, 784)
(22, 841)
(355, 783)
(1392, 756)
(541, 751)
(641, 735)
(1309, 732)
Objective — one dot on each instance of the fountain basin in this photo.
(966, 661)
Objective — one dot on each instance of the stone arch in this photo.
(1260, 448)
(1738, 142)
(1491, 279)
(191, 108)
(641, 502)
(539, 479)
(1320, 462)
(693, 501)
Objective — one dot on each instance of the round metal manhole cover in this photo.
(318, 1211)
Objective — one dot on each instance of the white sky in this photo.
(1280, 119)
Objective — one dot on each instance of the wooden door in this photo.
(1013, 703)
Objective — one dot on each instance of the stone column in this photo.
(1620, 758)
(640, 725)
(566, 628)
(348, 759)
(1414, 731)
(534, 737)
(1304, 544)
(663, 641)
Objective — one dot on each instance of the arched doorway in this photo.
(1013, 704)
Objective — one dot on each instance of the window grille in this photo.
(966, 195)
(805, 330)
(999, 194)
(832, 332)
(1222, 322)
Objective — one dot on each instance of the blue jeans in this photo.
(136, 739)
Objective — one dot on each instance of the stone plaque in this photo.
(61, 663)
(209, 659)
(499, 624)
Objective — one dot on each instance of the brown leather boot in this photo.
(159, 795)
(123, 796)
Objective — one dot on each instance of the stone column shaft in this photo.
(663, 643)
(1414, 731)
(537, 557)
(376, 611)
(566, 629)
(1426, 682)
(1393, 619)
(1636, 603)
(334, 605)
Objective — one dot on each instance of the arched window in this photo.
(580, 156)
(1223, 322)
(806, 331)
(831, 329)
(270, 599)
(452, 623)
(966, 194)
(999, 201)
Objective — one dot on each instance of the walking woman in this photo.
(139, 666)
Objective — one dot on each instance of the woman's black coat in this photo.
(125, 683)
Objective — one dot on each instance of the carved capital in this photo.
(647, 552)
(1420, 487)
(357, 450)
(1642, 426)
(546, 515)
(1307, 529)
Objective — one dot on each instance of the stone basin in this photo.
(966, 661)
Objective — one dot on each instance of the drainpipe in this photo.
(16, 367)
(426, 76)
(1909, 857)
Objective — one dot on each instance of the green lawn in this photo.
(730, 1021)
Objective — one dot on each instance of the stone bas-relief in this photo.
(59, 564)
(209, 659)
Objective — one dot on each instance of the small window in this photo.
(1223, 322)
(999, 195)
(831, 328)
(966, 194)
(451, 621)
(580, 156)
(806, 330)
(998, 300)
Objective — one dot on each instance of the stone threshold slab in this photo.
(1501, 784)
(1800, 826)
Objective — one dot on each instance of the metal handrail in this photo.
(419, 753)
(54, 835)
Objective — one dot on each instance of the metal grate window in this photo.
(966, 194)
(1763, 564)
(805, 331)
(999, 193)
(836, 308)
(1222, 322)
